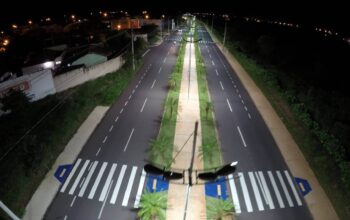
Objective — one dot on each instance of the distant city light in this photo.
(105, 14)
(48, 19)
(30, 22)
(5, 42)
(147, 16)
(14, 26)
(73, 17)
(119, 26)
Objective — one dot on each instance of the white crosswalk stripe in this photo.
(97, 181)
(269, 186)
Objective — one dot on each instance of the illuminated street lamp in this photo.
(226, 18)
(30, 22)
(14, 26)
(147, 16)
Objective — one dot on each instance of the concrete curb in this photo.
(319, 205)
(46, 192)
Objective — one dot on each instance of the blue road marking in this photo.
(62, 172)
(161, 184)
(303, 185)
(211, 188)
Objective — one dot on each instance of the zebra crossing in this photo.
(92, 180)
(263, 190)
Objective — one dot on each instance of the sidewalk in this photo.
(46, 192)
(188, 114)
(317, 201)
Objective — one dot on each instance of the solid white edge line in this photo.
(245, 193)
(275, 188)
(104, 203)
(118, 184)
(240, 133)
(129, 186)
(229, 105)
(107, 183)
(87, 180)
(140, 188)
(143, 106)
(296, 195)
(70, 176)
(127, 143)
(97, 181)
(234, 194)
(289, 199)
(256, 191)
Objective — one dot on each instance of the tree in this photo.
(15, 101)
(172, 105)
(207, 151)
(218, 209)
(158, 150)
(153, 206)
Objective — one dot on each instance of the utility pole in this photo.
(8, 211)
(212, 21)
(223, 42)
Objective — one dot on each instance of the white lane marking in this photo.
(107, 183)
(137, 86)
(82, 190)
(237, 90)
(240, 134)
(104, 203)
(275, 188)
(296, 195)
(266, 190)
(104, 140)
(217, 73)
(245, 108)
(234, 193)
(140, 188)
(160, 69)
(121, 111)
(139, 81)
(239, 95)
(213, 63)
(229, 105)
(242, 101)
(145, 52)
(97, 181)
(209, 55)
(70, 175)
(153, 83)
(116, 119)
(65, 217)
(82, 182)
(133, 91)
(164, 60)
(118, 184)
(72, 203)
(245, 193)
(98, 151)
(126, 103)
(127, 143)
(129, 187)
(111, 128)
(130, 97)
(222, 87)
(235, 86)
(256, 191)
(290, 202)
(77, 180)
(249, 116)
(143, 106)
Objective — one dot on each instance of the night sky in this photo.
(333, 14)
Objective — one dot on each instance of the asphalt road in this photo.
(262, 187)
(107, 175)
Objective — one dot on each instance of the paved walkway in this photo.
(188, 114)
(317, 201)
(48, 188)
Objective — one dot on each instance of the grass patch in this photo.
(161, 149)
(210, 150)
(324, 167)
(23, 169)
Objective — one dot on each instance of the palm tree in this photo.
(218, 209)
(172, 105)
(153, 206)
(172, 84)
(207, 151)
(158, 150)
(208, 107)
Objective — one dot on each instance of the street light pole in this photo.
(132, 49)
(223, 43)
(212, 21)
